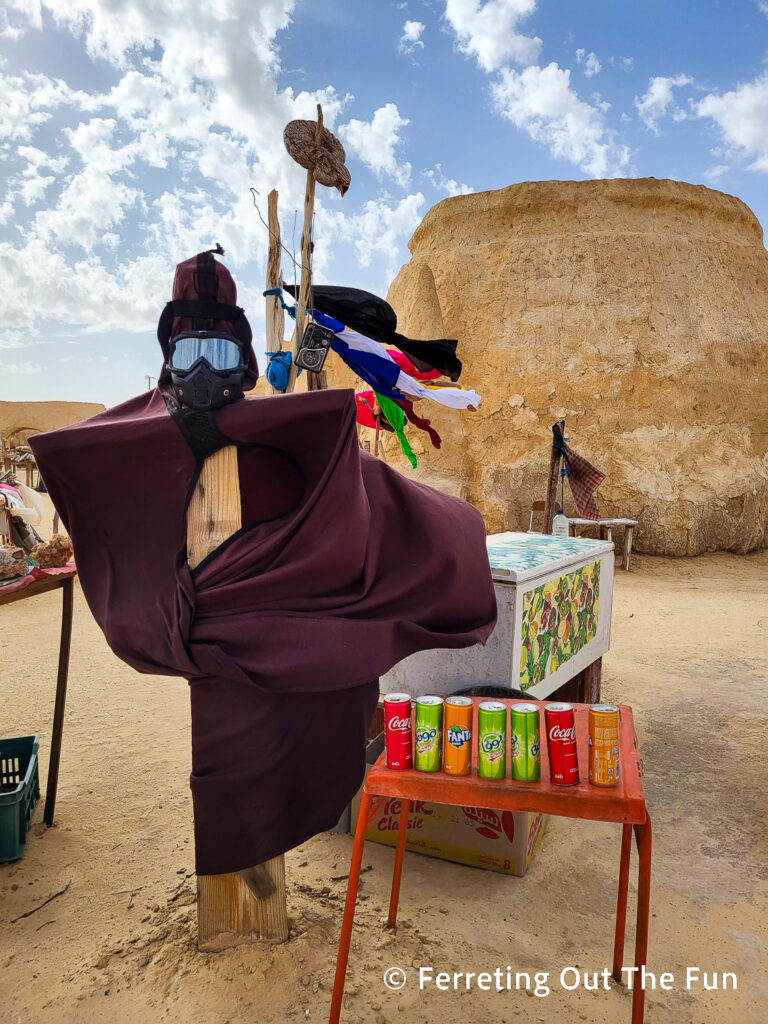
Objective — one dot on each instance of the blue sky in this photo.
(131, 131)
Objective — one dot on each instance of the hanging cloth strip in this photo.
(374, 317)
(278, 365)
(423, 424)
(370, 361)
(396, 417)
(583, 477)
(405, 363)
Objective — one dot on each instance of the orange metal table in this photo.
(624, 804)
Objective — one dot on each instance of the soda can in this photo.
(457, 722)
(604, 745)
(524, 742)
(492, 740)
(398, 739)
(428, 752)
(560, 724)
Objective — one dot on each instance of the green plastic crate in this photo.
(19, 792)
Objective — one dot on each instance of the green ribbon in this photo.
(396, 418)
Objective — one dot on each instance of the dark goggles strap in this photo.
(208, 310)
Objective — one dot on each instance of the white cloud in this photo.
(656, 102)
(196, 96)
(742, 117)
(488, 32)
(20, 369)
(438, 180)
(411, 39)
(374, 142)
(715, 174)
(40, 283)
(28, 101)
(592, 65)
(89, 204)
(377, 228)
(542, 103)
(762, 6)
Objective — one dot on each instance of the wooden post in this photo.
(554, 475)
(306, 259)
(250, 904)
(65, 644)
(275, 315)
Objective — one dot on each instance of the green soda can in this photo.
(524, 743)
(428, 745)
(492, 740)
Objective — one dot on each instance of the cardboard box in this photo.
(502, 841)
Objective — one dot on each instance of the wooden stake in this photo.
(228, 910)
(378, 431)
(554, 474)
(275, 315)
(306, 259)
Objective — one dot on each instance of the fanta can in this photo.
(457, 724)
(428, 739)
(492, 740)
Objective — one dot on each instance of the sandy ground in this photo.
(688, 653)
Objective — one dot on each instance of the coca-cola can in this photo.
(398, 741)
(561, 744)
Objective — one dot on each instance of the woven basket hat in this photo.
(324, 158)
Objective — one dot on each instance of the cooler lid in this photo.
(519, 557)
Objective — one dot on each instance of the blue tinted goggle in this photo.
(221, 351)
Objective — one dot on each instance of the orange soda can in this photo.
(603, 745)
(457, 729)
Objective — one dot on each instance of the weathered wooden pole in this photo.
(249, 904)
(275, 315)
(306, 256)
(554, 474)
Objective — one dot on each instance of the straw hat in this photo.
(324, 158)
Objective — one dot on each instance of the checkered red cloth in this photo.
(582, 476)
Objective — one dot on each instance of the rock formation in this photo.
(635, 308)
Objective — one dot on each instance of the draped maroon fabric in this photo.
(342, 568)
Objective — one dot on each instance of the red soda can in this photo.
(398, 744)
(561, 744)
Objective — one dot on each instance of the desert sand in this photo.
(688, 652)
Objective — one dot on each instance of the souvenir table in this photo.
(623, 804)
(554, 598)
(39, 581)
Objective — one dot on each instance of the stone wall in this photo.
(39, 417)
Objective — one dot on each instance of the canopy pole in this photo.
(275, 316)
(249, 904)
(306, 258)
(554, 473)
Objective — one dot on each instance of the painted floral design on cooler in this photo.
(559, 618)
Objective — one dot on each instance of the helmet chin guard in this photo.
(203, 389)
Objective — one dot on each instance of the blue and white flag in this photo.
(373, 364)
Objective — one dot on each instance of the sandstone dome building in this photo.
(635, 308)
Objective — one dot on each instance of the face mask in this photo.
(206, 368)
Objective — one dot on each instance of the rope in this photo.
(290, 310)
